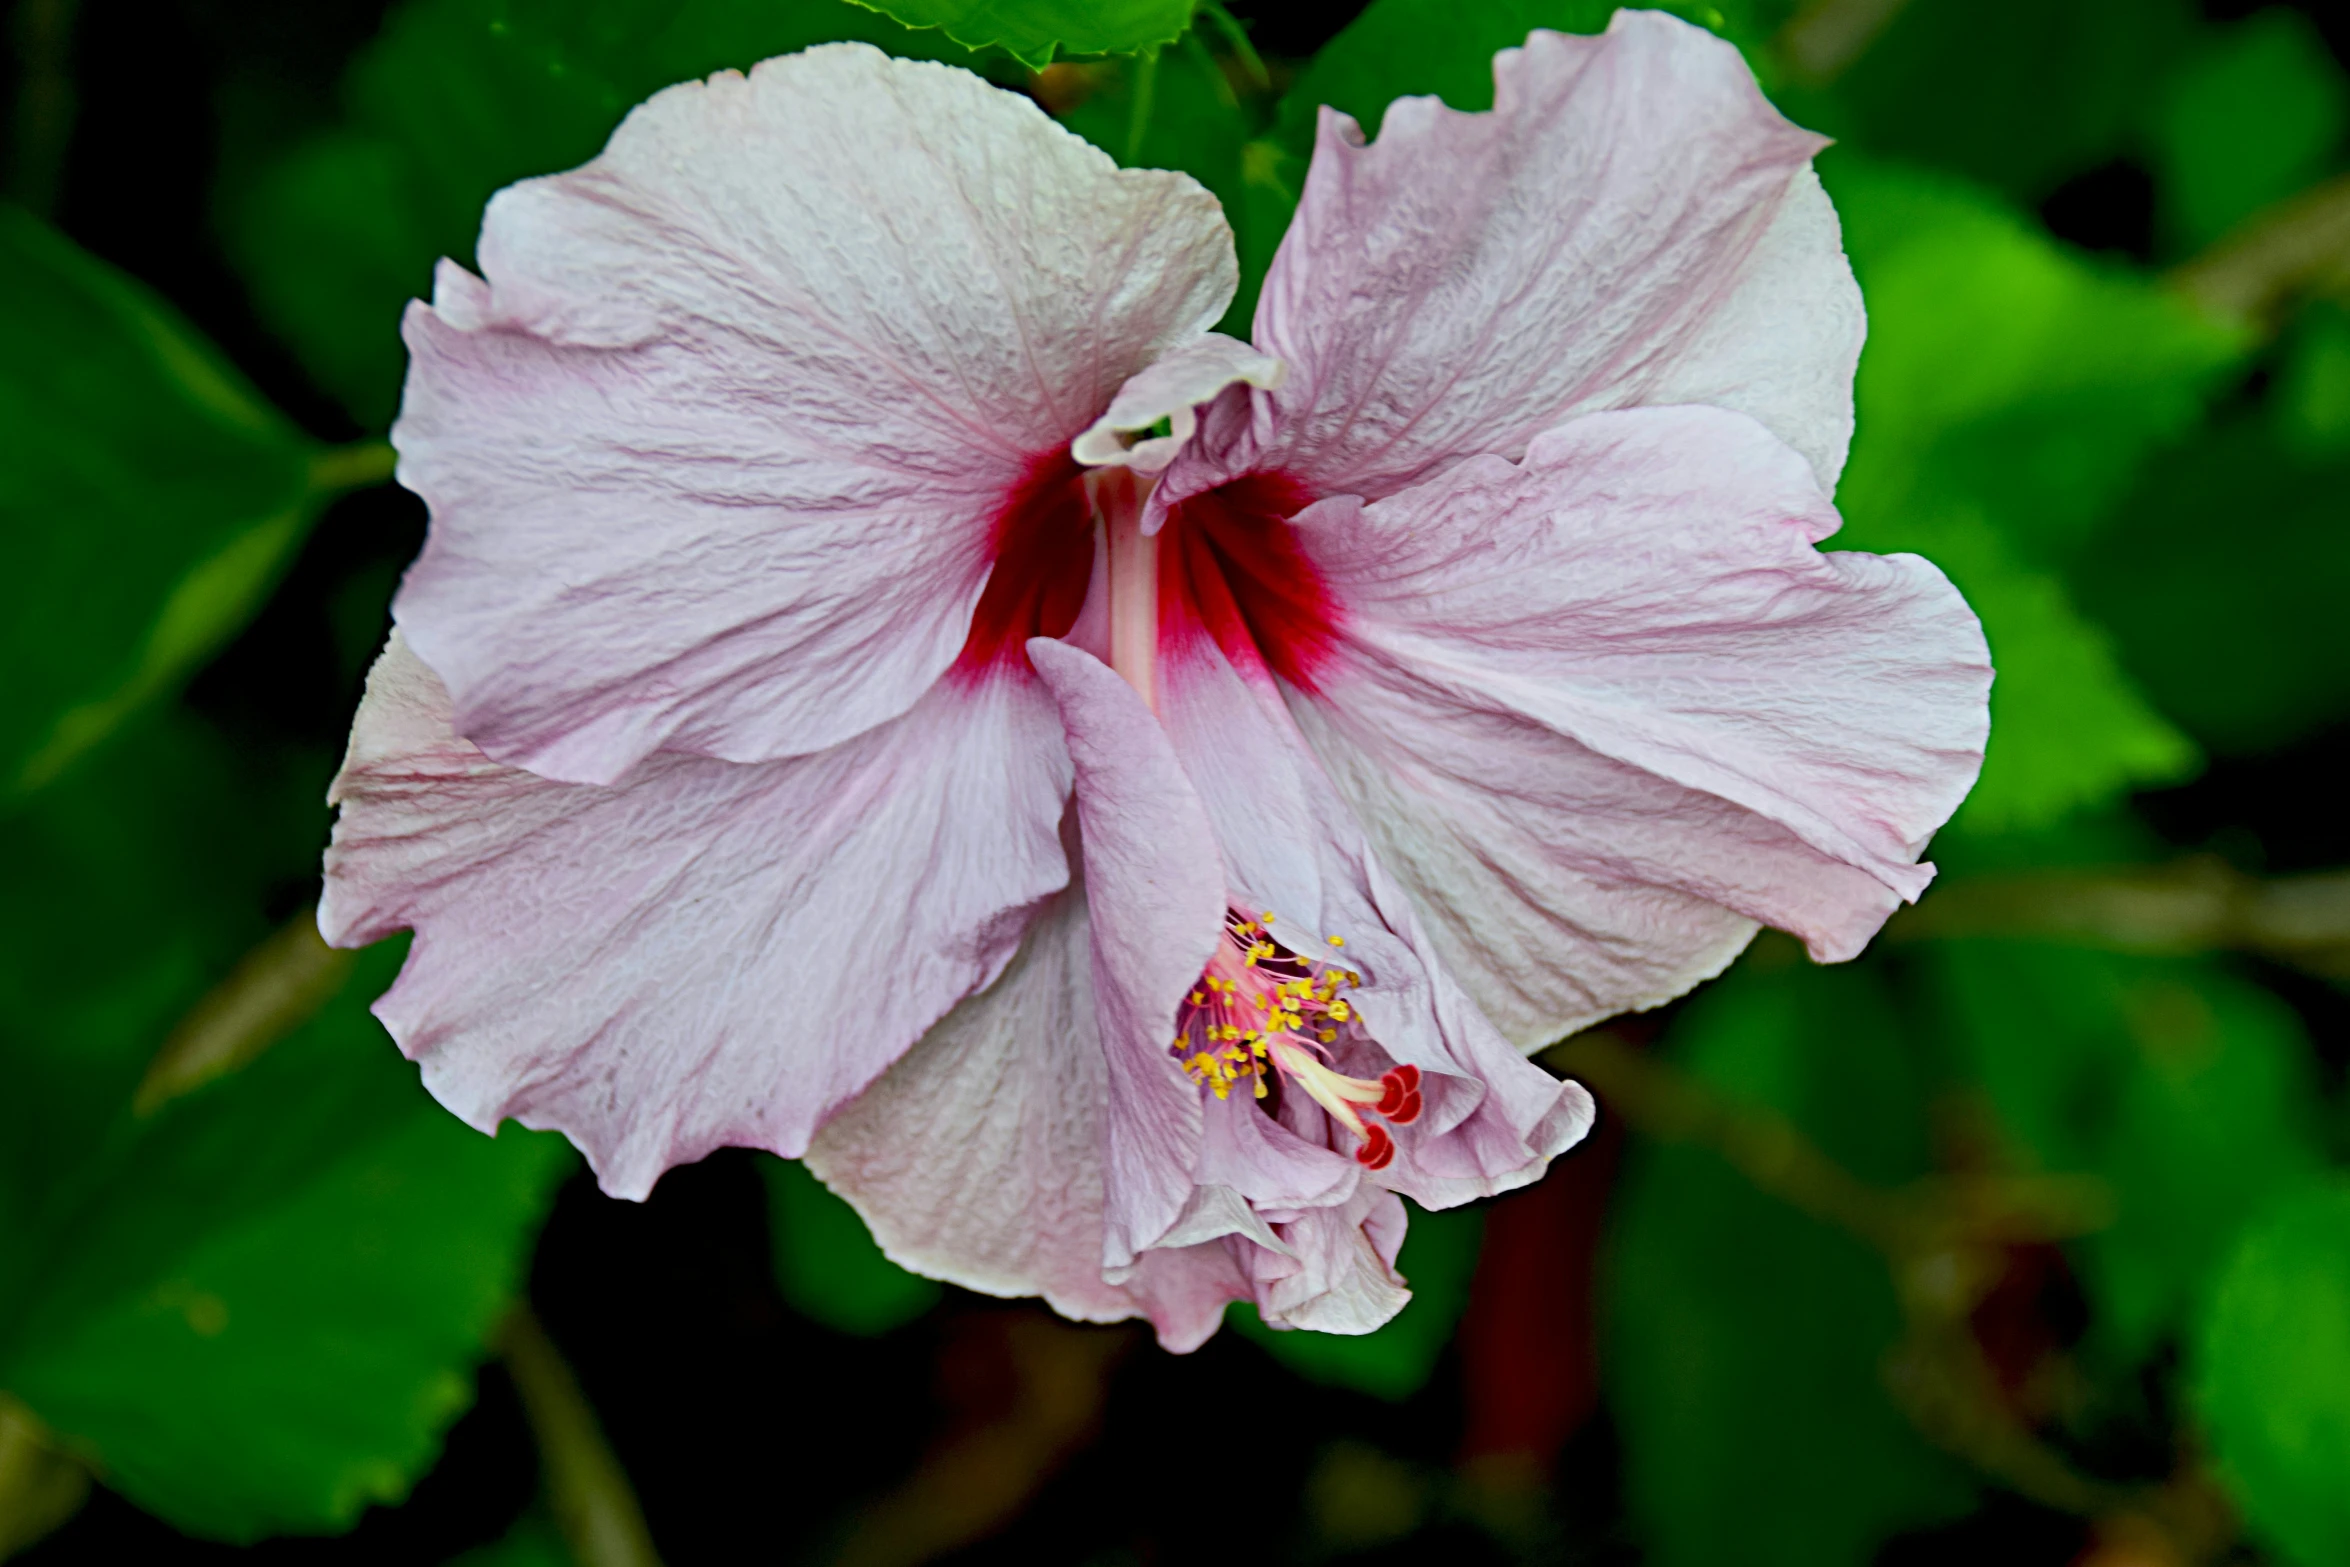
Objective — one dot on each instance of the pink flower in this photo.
(886, 685)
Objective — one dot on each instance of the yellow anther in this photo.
(1268, 916)
(1328, 1036)
(1338, 941)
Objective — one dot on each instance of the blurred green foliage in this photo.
(1744, 1337)
(2273, 1365)
(255, 1309)
(152, 495)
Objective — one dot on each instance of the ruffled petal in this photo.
(707, 953)
(1604, 709)
(715, 454)
(1291, 846)
(1631, 224)
(1154, 887)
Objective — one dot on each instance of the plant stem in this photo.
(587, 1490)
(273, 990)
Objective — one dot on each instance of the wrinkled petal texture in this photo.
(1604, 709)
(707, 954)
(1171, 389)
(1631, 224)
(1154, 886)
(1293, 846)
(713, 452)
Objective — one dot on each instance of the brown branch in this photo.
(1055, 1380)
(588, 1492)
(275, 989)
(1825, 38)
(2299, 246)
(41, 1486)
(2199, 904)
(1943, 1238)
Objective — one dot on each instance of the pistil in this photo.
(1118, 496)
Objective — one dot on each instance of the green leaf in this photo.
(2186, 1090)
(456, 99)
(826, 1262)
(1032, 31)
(2009, 393)
(1439, 1258)
(1744, 1336)
(151, 495)
(2272, 1382)
(2017, 93)
(2227, 601)
(258, 1312)
(2249, 120)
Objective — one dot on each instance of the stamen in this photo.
(1293, 1011)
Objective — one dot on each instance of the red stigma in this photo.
(1040, 549)
(1378, 1150)
(1401, 1101)
(1231, 567)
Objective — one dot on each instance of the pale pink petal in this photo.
(706, 953)
(978, 1156)
(1605, 709)
(1154, 887)
(1631, 224)
(1292, 847)
(1336, 1273)
(1171, 388)
(714, 454)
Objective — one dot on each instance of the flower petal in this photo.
(714, 454)
(1154, 886)
(1291, 845)
(1171, 388)
(979, 1156)
(1604, 708)
(706, 953)
(1631, 224)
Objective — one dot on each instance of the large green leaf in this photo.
(257, 1312)
(826, 1262)
(2272, 1383)
(2187, 1091)
(150, 496)
(454, 100)
(2009, 393)
(1744, 1337)
(2250, 119)
(1033, 31)
(254, 1310)
(1439, 1258)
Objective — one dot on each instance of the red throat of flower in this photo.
(1262, 1013)
(1226, 569)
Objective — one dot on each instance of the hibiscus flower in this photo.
(887, 685)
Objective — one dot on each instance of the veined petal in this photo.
(1291, 846)
(706, 953)
(1604, 708)
(713, 454)
(1632, 223)
(1154, 888)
